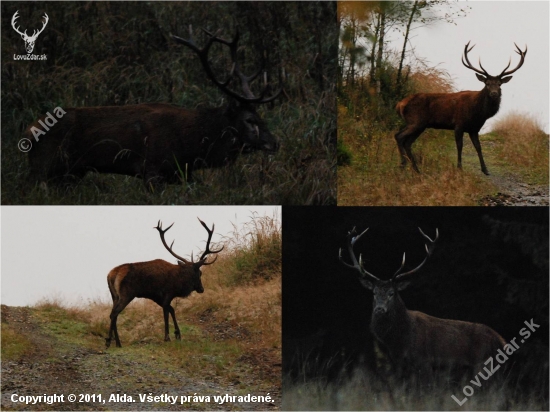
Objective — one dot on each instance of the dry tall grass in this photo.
(375, 178)
(524, 145)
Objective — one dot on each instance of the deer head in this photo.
(493, 83)
(250, 127)
(29, 40)
(184, 263)
(386, 295)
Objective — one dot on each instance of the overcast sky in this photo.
(67, 252)
(494, 26)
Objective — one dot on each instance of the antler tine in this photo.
(13, 22)
(469, 65)
(162, 232)
(207, 251)
(247, 97)
(521, 61)
(429, 250)
(356, 265)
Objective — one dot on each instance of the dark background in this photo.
(489, 266)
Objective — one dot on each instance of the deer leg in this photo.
(176, 328)
(399, 137)
(407, 144)
(459, 134)
(166, 335)
(474, 137)
(117, 308)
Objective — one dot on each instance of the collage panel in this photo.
(443, 103)
(415, 308)
(149, 308)
(169, 103)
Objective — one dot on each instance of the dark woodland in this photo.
(118, 54)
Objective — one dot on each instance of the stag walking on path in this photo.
(462, 112)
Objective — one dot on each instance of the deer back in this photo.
(156, 279)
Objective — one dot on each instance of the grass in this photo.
(361, 393)
(523, 145)
(375, 178)
(15, 345)
(516, 145)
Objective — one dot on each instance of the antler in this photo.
(35, 32)
(235, 70)
(522, 59)
(15, 17)
(356, 265)
(207, 251)
(162, 232)
(469, 65)
(429, 249)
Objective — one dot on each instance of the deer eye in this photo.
(390, 293)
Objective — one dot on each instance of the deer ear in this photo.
(481, 78)
(506, 79)
(403, 285)
(367, 284)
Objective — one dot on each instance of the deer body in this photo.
(157, 142)
(415, 339)
(157, 280)
(462, 112)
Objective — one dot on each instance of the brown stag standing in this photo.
(414, 338)
(155, 141)
(157, 280)
(462, 112)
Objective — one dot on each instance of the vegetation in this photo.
(231, 334)
(372, 79)
(104, 54)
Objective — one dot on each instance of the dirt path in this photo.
(513, 191)
(53, 366)
(512, 188)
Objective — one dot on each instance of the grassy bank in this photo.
(373, 177)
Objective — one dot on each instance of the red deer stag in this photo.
(157, 280)
(462, 112)
(155, 141)
(413, 338)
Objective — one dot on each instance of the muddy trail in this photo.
(514, 191)
(511, 188)
(114, 379)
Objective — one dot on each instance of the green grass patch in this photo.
(15, 345)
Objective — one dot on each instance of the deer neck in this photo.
(393, 329)
(486, 104)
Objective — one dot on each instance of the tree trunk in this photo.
(399, 80)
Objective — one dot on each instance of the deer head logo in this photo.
(29, 40)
